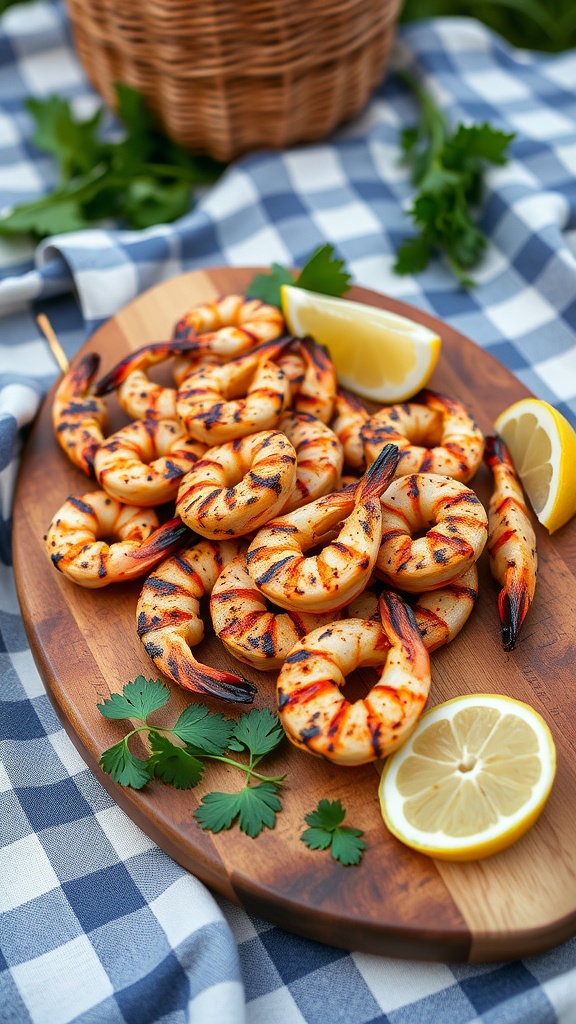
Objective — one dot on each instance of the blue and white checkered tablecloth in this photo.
(98, 925)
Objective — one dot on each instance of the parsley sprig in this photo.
(200, 735)
(327, 832)
(447, 169)
(323, 272)
(140, 179)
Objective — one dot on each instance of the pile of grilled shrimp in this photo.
(326, 536)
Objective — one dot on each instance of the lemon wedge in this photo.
(542, 445)
(472, 778)
(377, 354)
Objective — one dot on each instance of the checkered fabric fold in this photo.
(98, 925)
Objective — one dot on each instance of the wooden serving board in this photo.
(397, 902)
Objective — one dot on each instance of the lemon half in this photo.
(377, 354)
(542, 445)
(472, 778)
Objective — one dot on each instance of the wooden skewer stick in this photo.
(55, 346)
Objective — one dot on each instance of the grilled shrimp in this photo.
(440, 614)
(144, 462)
(78, 537)
(140, 397)
(78, 416)
(238, 486)
(329, 580)
(230, 326)
(208, 401)
(316, 392)
(319, 457)
(350, 416)
(456, 525)
(249, 629)
(434, 433)
(511, 543)
(169, 622)
(315, 714)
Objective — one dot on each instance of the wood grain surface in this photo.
(397, 902)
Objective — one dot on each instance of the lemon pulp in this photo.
(473, 777)
(377, 354)
(542, 444)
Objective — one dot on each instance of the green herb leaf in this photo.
(255, 807)
(347, 846)
(322, 272)
(174, 765)
(42, 218)
(124, 767)
(328, 815)
(317, 838)
(140, 179)
(204, 730)
(74, 144)
(327, 832)
(148, 202)
(206, 734)
(259, 731)
(137, 700)
(266, 287)
(447, 168)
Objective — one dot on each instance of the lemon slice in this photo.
(377, 354)
(542, 445)
(472, 778)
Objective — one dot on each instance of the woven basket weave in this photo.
(228, 76)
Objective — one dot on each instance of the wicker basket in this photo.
(228, 76)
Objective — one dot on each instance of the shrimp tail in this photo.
(271, 349)
(146, 356)
(81, 376)
(210, 682)
(399, 625)
(496, 452)
(74, 391)
(511, 543)
(162, 541)
(513, 603)
(173, 657)
(379, 476)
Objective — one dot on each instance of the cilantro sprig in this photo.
(447, 170)
(327, 832)
(323, 272)
(201, 735)
(140, 179)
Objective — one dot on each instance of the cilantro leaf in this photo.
(203, 729)
(266, 287)
(62, 214)
(140, 179)
(447, 169)
(259, 731)
(172, 764)
(347, 846)
(137, 700)
(73, 143)
(322, 273)
(317, 838)
(148, 202)
(327, 832)
(206, 734)
(328, 815)
(255, 807)
(413, 255)
(124, 767)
